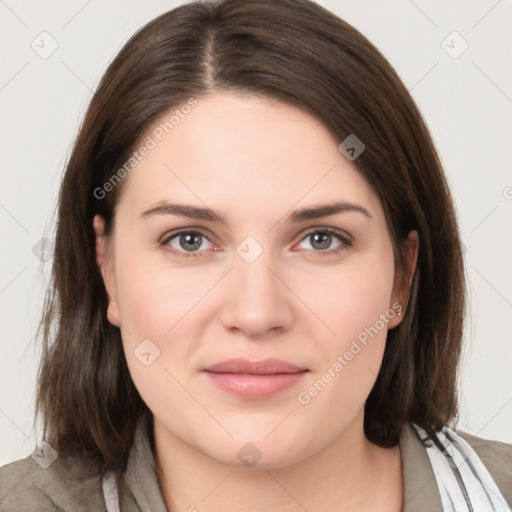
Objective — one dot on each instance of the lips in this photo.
(265, 367)
(254, 379)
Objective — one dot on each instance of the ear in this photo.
(106, 269)
(403, 278)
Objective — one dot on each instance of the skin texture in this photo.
(256, 160)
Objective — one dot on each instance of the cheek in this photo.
(351, 297)
(153, 304)
(140, 302)
(355, 306)
(160, 304)
(153, 298)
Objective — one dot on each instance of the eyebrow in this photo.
(300, 215)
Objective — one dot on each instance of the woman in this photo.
(258, 290)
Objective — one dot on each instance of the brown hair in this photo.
(300, 53)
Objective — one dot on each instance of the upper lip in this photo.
(264, 367)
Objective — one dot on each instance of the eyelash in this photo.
(342, 237)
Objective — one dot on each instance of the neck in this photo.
(348, 474)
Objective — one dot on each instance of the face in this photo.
(318, 292)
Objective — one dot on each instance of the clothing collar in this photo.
(141, 477)
(420, 488)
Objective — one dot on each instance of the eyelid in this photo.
(179, 231)
(327, 229)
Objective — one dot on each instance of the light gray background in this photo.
(466, 101)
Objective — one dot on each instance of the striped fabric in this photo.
(463, 481)
(110, 492)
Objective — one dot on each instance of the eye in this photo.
(191, 243)
(186, 243)
(322, 238)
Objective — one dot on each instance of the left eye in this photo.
(321, 240)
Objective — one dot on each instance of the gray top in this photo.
(69, 484)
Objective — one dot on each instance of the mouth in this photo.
(255, 379)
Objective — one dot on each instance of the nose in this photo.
(258, 299)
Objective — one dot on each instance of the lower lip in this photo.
(255, 386)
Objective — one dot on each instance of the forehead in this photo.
(242, 152)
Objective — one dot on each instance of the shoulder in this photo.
(20, 488)
(497, 458)
(68, 483)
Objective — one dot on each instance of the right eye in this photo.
(185, 241)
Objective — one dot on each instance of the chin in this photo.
(255, 449)
(256, 456)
